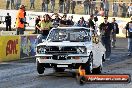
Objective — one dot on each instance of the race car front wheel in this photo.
(40, 67)
(89, 65)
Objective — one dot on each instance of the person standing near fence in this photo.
(20, 20)
(106, 7)
(17, 4)
(91, 23)
(12, 4)
(123, 9)
(96, 11)
(37, 20)
(8, 22)
(67, 6)
(115, 9)
(61, 6)
(130, 10)
(52, 5)
(82, 22)
(115, 31)
(44, 26)
(46, 5)
(43, 5)
(73, 4)
(32, 4)
(7, 4)
(86, 4)
(92, 6)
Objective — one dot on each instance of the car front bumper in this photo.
(74, 62)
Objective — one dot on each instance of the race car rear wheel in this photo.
(89, 65)
(40, 67)
(59, 69)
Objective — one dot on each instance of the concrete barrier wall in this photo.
(17, 47)
(9, 48)
(28, 46)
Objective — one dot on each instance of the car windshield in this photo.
(72, 35)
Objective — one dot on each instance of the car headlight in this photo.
(41, 50)
(81, 50)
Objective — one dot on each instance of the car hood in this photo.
(65, 43)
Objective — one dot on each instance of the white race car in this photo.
(70, 47)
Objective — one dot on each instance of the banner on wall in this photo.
(9, 48)
(28, 46)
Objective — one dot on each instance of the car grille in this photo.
(60, 50)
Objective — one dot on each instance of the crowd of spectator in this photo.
(89, 6)
(55, 21)
(45, 23)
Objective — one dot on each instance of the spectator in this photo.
(115, 31)
(86, 4)
(46, 5)
(12, 4)
(115, 9)
(129, 30)
(37, 20)
(91, 23)
(25, 20)
(101, 12)
(57, 20)
(101, 4)
(123, 9)
(43, 5)
(70, 21)
(20, 20)
(106, 8)
(8, 22)
(61, 6)
(96, 12)
(32, 4)
(44, 26)
(92, 6)
(67, 6)
(130, 10)
(7, 4)
(17, 4)
(64, 22)
(105, 31)
(73, 4)
(82, 22)
(52, 3)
